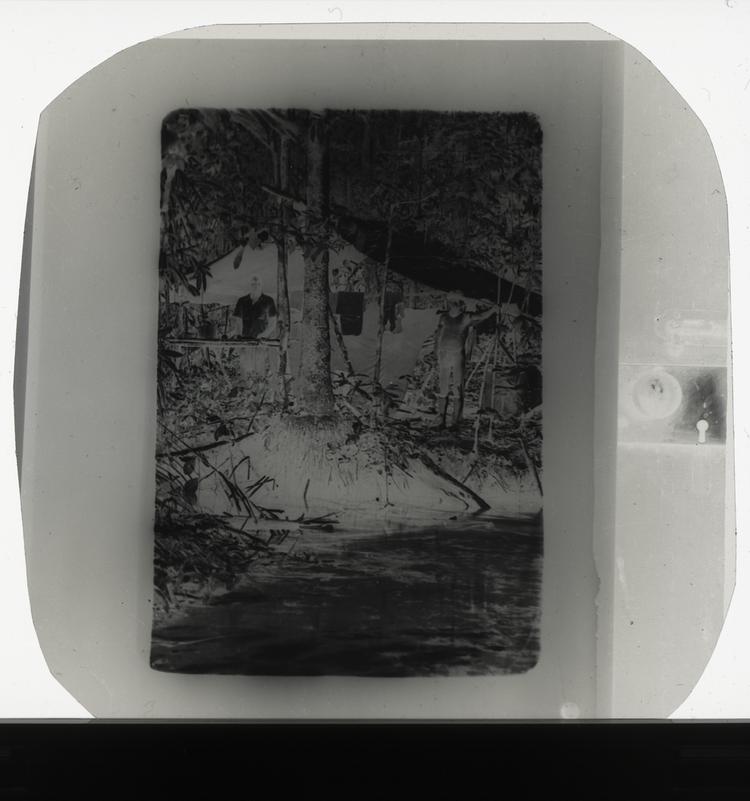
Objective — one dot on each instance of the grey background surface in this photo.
(90, 413)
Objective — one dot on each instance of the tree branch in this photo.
(280, 124)
(296, 203)
(249, 121)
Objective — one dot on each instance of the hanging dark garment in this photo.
(350, 307)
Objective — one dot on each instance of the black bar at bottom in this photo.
(116, 760)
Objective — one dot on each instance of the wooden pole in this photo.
(482, 362)
(481, 393)
(380, 406)
(494, 366)
(383, 288)
(340, 341)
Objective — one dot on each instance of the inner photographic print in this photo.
(349, 431)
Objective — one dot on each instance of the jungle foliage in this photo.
(463, 188)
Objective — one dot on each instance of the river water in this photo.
(461, 597)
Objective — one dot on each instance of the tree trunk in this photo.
(282, 285)
(315, 388)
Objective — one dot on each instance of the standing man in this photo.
(450, 353)
(257, 313)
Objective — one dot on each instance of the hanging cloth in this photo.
(350, 307)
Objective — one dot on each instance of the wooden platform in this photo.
(224, 343)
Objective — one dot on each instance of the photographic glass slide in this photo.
(349, 467)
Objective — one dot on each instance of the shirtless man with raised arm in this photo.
(450, 352)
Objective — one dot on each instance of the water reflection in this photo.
(456, 598)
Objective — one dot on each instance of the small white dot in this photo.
(570, 711)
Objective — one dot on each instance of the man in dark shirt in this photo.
(256, 310)
(258, 359)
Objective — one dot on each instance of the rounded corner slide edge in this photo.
(54, 686)
(22, 328)
(465, 31)
(672, 567)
